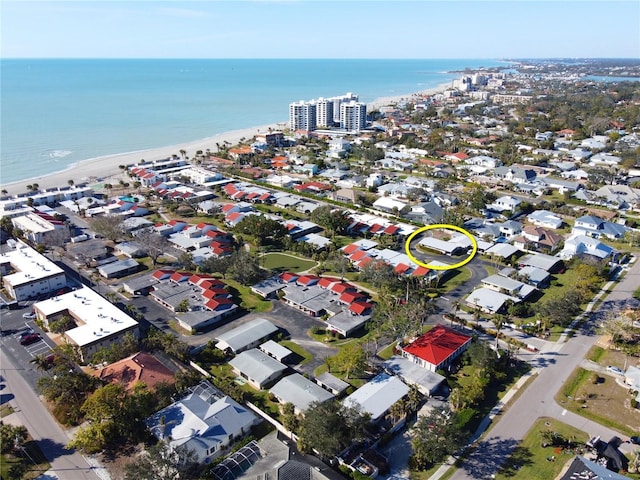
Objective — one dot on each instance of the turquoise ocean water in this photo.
(54, 113)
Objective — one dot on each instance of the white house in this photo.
(506, 203)
(544, 218)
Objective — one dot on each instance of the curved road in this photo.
(537, 401)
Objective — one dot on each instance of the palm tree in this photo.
(41, 362)
(455, 306)
(499, 321)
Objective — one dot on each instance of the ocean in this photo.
(56, 112)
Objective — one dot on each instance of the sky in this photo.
(386, 29)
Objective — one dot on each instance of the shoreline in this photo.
(98, 169)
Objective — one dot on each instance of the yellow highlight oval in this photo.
(474, 245)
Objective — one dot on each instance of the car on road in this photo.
(615, 370)
(29, 316)
(29, 339)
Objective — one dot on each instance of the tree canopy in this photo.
(329, 427)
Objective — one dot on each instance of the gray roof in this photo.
(118, 267)
(346, 322)
(269, 286)
(332, 382)
(275, 349)
(257, 365)
(503, 250)
(240, 337)
(535, 274)
(540, 260)
(426, 380)
(299, 391)
(377, 396)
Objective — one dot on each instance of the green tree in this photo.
(245, 268)
(436, 436)
(330, 427)
(351, 359)
(264, 230)
(183, 306)
(333, 220)
(11, 437)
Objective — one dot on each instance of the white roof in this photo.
(257, 365)
(389, 203)
(377, 396)
(425, 380)
(300, 391)
(30, 265)
(275, 349)
(99, 317)
(488, 299)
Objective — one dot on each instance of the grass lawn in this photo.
(529, 460)
(604, 402)
(298, 350)
(281, 262)
(248, 300)
(5, 409)
(596, 353)
(456, 278)
(33, 469)
(387, 352)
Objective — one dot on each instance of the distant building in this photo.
(353, 116)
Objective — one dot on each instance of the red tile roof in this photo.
(437, 345)
(360, 308)
(326, 282)
(359, 255)
(420, 271)
(141, 367)
(401, 268)
(349, 249)
(391, 229)
(350, 297)
(308, 279)
(342, 287)
(180, 276)
(288, 277)
(161, 274)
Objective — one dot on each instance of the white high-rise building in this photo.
(324, 112)
(353, 116)
(302, 116)
(337, 101)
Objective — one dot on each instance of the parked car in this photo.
(615, 370)
(29, 316)
(29, 339)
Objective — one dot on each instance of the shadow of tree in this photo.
(491, 454)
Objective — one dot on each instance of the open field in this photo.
(282, 262)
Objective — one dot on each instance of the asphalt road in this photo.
(30, 412)
(538, 399)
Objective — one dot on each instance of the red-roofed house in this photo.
(342, 287)
(360, 308)
(391, 230)
(179, 277)
(288, 277)
(140, 367)
(349, 297)
(376, 228)
(349, 249)
(437, 348)
(162, 274)
(420, 272)
(308, 280)
(326, 282)
(357, 256)
(401, 268)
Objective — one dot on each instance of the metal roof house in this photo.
(299, 391)
(205, 421)
(489, 300)
(426, 381)
(246, 336)
(378, 395)
(437, 348)
(258, 368)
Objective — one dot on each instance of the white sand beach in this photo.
(106, 168)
